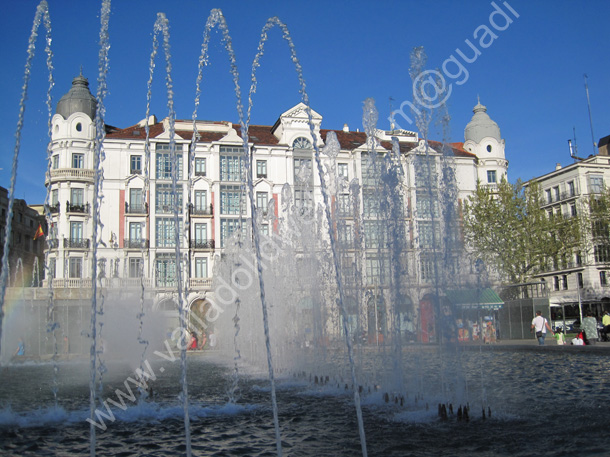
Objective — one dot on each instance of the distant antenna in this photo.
(574, 147)
(590, 118)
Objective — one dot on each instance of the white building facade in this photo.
(137, 231)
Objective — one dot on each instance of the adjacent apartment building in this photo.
(581, 282)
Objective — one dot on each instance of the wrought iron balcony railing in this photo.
(53, 209)
(136, 209)
(135, 244)
(202, 244)
(76, 243)
(78, 208)
(201, 211)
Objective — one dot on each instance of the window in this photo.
(76, 196)
(199, 166)
(373, 234)
(261, 168)
(135, 166)
(54, 197)
(302, 143)
(565, 282)
(573, 211)
(303, 200)
(78, 160)
(549, 197)
(227, 227)
(370, 203)
(429, 234)
(135, 267)
(601, 253)
(201, 200)
(425, 172)
(76, 231)
(166, 232)
(581, 283)
(491, 176)
(135, 232)
(344, 205)
(136, 200)
(201, 233)
(264, 229)
(603, 278)
(230, 199)
(163, 164)
(556, 193)
(571, 189)
(201, 267)
(342, 171)
(55, 162)
(165, 199)
(166, 272)
(261, 202)
(75, 267)
(231, 163)
(596, 183)
(302, 171)
(345, 235)
(427, 206)
(377, 270)
(555, 282)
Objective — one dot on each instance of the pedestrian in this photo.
(605, 333)
(589, 325)
(540, 325)
(559, 337)
(20, 348)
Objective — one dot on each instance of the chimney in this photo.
(345, 128)
(557, 166)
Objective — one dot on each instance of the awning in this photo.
(474, 298)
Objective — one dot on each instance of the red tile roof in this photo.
(262, 135)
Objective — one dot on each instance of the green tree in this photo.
(506, 227)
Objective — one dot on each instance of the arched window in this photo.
(302, 143)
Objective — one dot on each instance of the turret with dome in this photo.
(78, 99)
(482, 138)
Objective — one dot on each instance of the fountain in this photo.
(292, 317)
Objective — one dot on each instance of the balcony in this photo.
(136, 209)
(71, 174)
(78, 243)
(204, 245)
(135, 244)
(52, 243)
(69, 283)
(201, 211)
(53, 209)
(82, 208)
(200, 283)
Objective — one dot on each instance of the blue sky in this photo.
(530, 77)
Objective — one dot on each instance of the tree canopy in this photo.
(505, 226)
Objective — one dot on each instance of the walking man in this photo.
(540, 326)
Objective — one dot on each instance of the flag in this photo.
(38, 233)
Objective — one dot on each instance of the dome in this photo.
(481, 126)
(78, 99)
